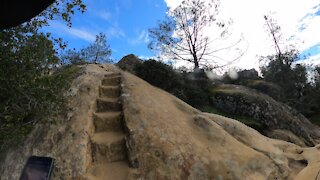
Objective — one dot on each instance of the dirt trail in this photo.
(109, 153)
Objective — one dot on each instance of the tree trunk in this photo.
(195, 62)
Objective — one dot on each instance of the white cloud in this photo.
(143, 37)
(143, 57)
(115, 32)
(248, 19)
(99, 12)
(73, 32)
(105, 15)
(173, 3)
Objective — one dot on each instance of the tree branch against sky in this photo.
(97, 52)
(274, 29)
(59, 10)
(184, 35)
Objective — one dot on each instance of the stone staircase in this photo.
(109, 153)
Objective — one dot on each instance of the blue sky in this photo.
(126, 24)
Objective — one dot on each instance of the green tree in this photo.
(182, 35)
(97, 52)
(275, 32)
(28, 92)
(314, 97)
(72, 56)
(59, 10)
(192, 88)
(283, 70)
(277, 68)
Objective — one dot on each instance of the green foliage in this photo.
(62, 10)
(297, 91)
(73, 57)
(279, 71)
(195, 88)
(190, 87)
(157, 74)
(97, 52)
(28, 92)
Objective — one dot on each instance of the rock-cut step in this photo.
(108, 147)
(108, 121)
(111, 80)
(109, 91)
(108, 104)
(110, 171)
(113, 74)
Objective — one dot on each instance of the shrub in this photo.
(191, 87)
(158, 74)
(28, 104)
(28, 93)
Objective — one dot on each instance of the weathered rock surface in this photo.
(285, 135)
(239, 100)
(67, 140)
(129, 62)
(168, 139)
(165, 139)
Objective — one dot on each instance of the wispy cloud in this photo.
(311, 60)
(143, 37)
(105, 15)
(115, 32)
(78, 33)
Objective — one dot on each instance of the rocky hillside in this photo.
(281, 121)
(120, 127)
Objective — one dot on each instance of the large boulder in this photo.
(168, 139)
(243, 101)
(129, 62)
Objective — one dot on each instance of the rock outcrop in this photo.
(239, 100)
(169, 139)
(165, 138)
(129, 62)
(267, 88)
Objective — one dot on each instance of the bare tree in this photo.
(275, 32)
(182, 35)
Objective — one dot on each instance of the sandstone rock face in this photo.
(164, 138)
(168, 139)
(67, 140)
(239, 100)
(284, 135)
